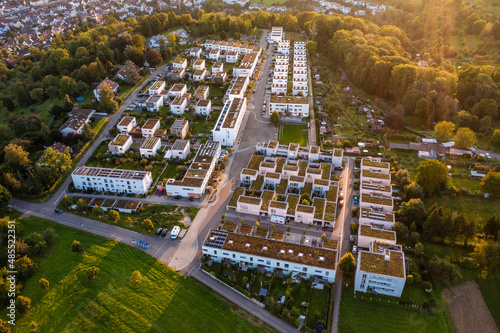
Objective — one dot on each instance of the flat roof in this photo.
(370, 231)
(201, 89)
(203, 102)
(179, 60)
(150, 123)
(290, 99)
(178, 87)
(269, 248)
(150, 143)
(233, 112)
(179, 101)
(120, 140)
(180, 144)
(126, 121)
(157, 85)
(111, 173)
(376, 263)
(179, 123)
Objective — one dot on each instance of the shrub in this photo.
(76, 247)
(426, 305)
(427, 286)
(44, 284)
(23, 304)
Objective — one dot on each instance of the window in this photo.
(268, 262)
(277, 264)
(243, 257)
(260, 260)
(226, 254)
(304, 269)
(251, 258)
(286, 265)
(234, 255)
(215, 251)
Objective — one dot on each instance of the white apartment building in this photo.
(157, 88)
(178, 105)
(300, 90)
(113, 180)
(214, 55)
(195, 52)
(381, 270)
(217, 67)
(284, 47)
(299, 74)
(232, 57)
(203, 107)
(195, 181)
(290, 106)
(229, 122)
(251, 251)
(275, 35)
(247, 65)
(154, 103)
(126, 124)
(149, 128)
(199, 64)
(242, 49)
(179, 151)
(180, 62)
(199, 75)
(177, 90)
(282, 60)
(238, 89)
(294, 151)
(283, 67)
(279, 88)
(149, 147)
(120, 144)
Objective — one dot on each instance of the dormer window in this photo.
(264, 248)
(290, 251)
(321, 258)
(230, 242)
(301, 254)
(247, 245)
(282, 251)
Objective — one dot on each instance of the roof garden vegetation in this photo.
(279, 164)
(368, 173)
(229, 226)
(261, 232)
(313, 171)
(120, 140)
(108, 203)
(254, 162)
(314, 149)
(291, 168)
(331, 194)
(267, 196)
(321, 182)
(330, 244)
(305, 209)
(330, 210)
(281, 188)
(257, 183)
(236, 194)
(249, 200)
(376, 200)
(319, 205)
(273, 175)
(121, 204)
(369, 163)
(337, 152)
(290, 252)
(292, 200)
(278, 235)
(325, 171)
(278, 204)
(378, 187)
(268, 165)
(98, 202)
(245, 229)
(376, 263)
(306, 189)
(303, 167)
(369, 231)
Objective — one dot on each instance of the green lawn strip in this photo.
(293, 133)
(471, 207)
(365, 315)
(41, 109)
(318, 305)
(164, 216)
(490, 288)
(300, 293)
(73, 303)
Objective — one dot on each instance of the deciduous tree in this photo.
(465, 137)
(347, 263)
(16, 156)
(444, 130)
(491, 183)
(93, 272)
(23, 304)
(432, 176)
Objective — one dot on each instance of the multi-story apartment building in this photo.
(126, 124)
(199, 75)
(229, 122)
(180, 150)
(232, 57)
(180, 62)
(247, 65)
(120, 144)
(275, 35)
(294, 151)
(201, 92)
(195, 181)
(199, 64)
(284, 47)
(177, 90)
(154, 103)
(149, 147)
(290, 106)
(149, 128)
(178, 105)
(203, 107)
(217, 67)
(157, 88)
(113, 180)
(225, 47)
(214, 55)
(269, 254)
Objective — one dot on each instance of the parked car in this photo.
(355, 200)
(307, 240)
(58, 211)
(341, 196)
(487, 155)
(354, 249)
(164, 232)
(192, 199)
(158, 232)
(341, 203)
(328, 228)
(177, 197)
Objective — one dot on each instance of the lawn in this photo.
(490, 288)
(471, 42)
(295, 36)
(471, 207)
(112, 302)
(318, 306)
(41, 109)
(365, 315)
(293, 133)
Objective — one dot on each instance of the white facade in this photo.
(199, 64)
(178, 106)
(217, 67)
(232, 57)
(150, 147)
(126, 124)
(229, 122)
(292, 258)
(199, 74)
(296, 107)
(247, 65)
(157, 88)
(120, 144)
(180, 63)
(203, 107)
(177, 90)
(312, 154)
(214, 55)
(180, 149)
(279, 89)
(195, 52)
(154, 103)
(113, 180)
(149, 128)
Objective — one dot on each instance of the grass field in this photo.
(41, 109)
(295, 36)
(269, 2)
(293, 133)
(490, 288)
(471, 207)
(471, 42)
(112, 303)
(363, 315)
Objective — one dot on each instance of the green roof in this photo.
(369, 231)
(266, 197)
(326, 169)
(254, 162)
(319, 204)
(368, 173)
(376, 200)
(257, 183)
(382, 165)
(281, 188)
(249, 200)
(236, 194)
(292, 200)
(376, 263)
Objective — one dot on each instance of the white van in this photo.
(175, 232)
(278, 219)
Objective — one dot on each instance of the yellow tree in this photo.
(444, 130)
(465, 137)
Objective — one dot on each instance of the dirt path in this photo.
(468, 310)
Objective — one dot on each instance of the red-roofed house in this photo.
(113, 85)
